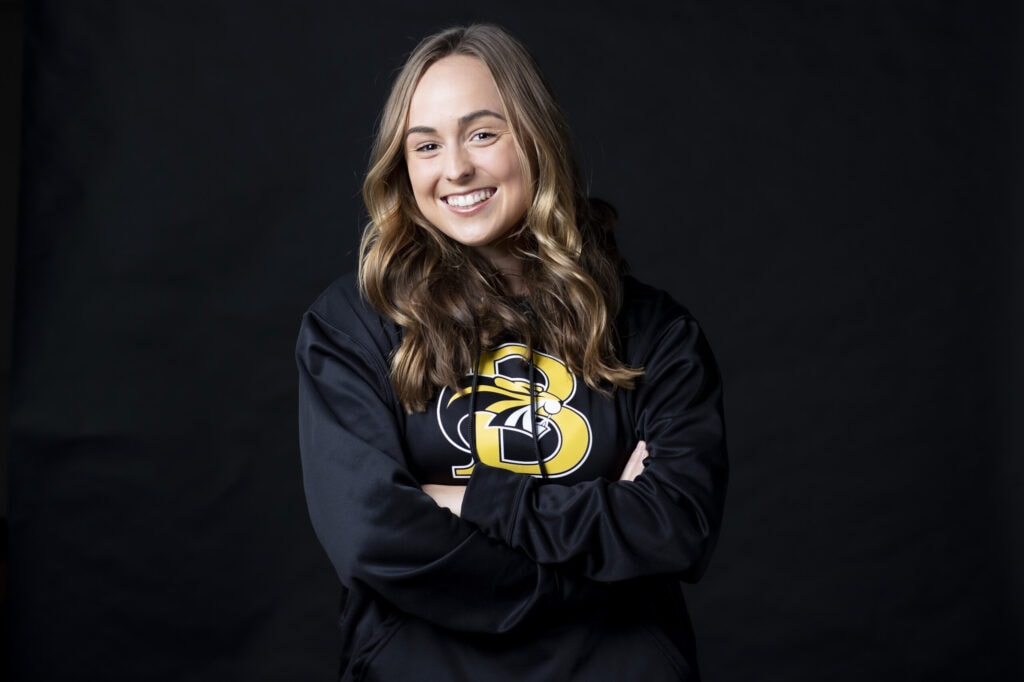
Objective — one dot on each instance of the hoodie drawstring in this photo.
(533, 415)
(533, 419)
(472, 409)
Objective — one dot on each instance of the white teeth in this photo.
(464, 200)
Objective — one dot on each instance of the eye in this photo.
(483, 136)
(426, 147)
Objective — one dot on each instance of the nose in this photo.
(458, 164)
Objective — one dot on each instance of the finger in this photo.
(634, 466)
(639, 452)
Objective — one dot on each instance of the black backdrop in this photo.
(833, 188)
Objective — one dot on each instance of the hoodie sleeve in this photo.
(664, 522)
(379, 529)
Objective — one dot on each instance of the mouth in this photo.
(468, 201)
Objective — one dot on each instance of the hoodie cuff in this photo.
(493, 499)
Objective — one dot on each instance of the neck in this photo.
(510, 267)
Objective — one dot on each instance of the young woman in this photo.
(512, 452)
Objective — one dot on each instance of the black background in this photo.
(832, 187)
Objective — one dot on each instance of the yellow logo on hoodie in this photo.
(518, 410)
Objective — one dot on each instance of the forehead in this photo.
(450, 88)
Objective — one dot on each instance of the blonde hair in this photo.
(450, 301)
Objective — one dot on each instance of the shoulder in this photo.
(650, 317)
(646, 310)
(341, 301)
(341, 312)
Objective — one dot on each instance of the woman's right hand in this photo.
(635, 465)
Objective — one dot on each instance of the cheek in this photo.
(518, 178)
(420, 182)
(508, 163)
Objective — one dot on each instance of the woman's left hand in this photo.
(635, 465)
(447, 496)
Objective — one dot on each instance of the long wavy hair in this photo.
(450, 301)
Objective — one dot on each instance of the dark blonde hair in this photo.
(449, 300)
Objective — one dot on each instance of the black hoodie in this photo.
(555, 571)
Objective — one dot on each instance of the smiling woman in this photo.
(513, 452)
(463, 163)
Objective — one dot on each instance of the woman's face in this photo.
(462, 160)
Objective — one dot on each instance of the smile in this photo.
(469, 199)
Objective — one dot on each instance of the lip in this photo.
(469, 210)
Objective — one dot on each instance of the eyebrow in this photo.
(463, 120)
